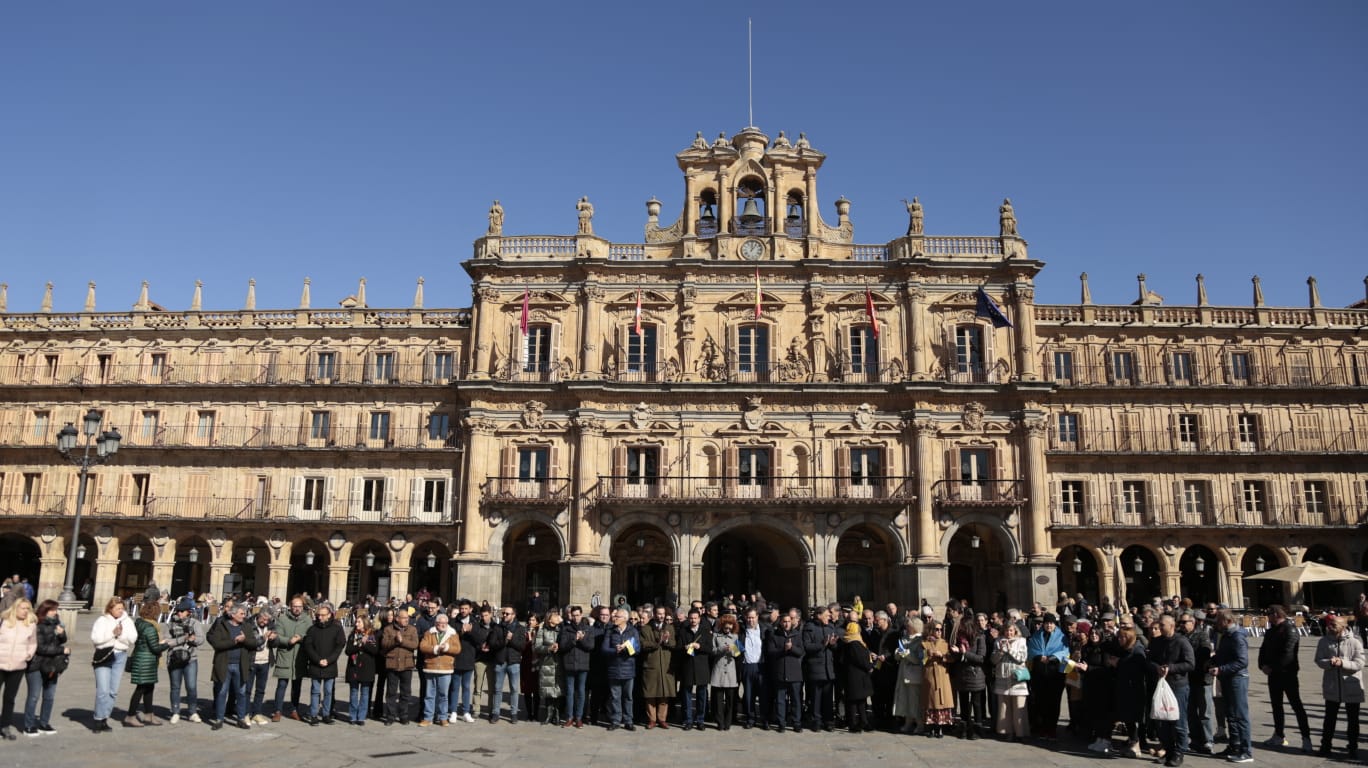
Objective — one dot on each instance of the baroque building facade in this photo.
(749, 400)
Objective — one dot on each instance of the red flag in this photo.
(757, 293)
(527, 297)
(869, 310)
(637, 328)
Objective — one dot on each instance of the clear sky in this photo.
(174, 141)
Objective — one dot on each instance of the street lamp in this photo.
(1138, 565)
(370, 559)
(1078, 564)
(432, 560)
(1200, 564)
(974, 541)
(106, 445)
(531, 539)
(250, 557)
(193, 555)
(1259, 563)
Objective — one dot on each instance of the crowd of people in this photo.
(1164, 679)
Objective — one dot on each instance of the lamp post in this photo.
(106, 445)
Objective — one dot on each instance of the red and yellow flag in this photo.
(757, 293)
(869, 310)
(636, 328)
(526, 307)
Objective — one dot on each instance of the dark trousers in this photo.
(820, 704)
(788, 703)
(1044, 702)
(294, 686)
(11, 680)
(973, 709)
(724, 706)
(693, 703)
(398, 694)
(1173, 734)
(855, 715)
(1351, 713)
(752, 694)
(1280, 685)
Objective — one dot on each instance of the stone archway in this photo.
(747, 558)
(532, 555)
(191, 570)
(865, 557)
(368, 571)
(642, 555)
(1201, 574)
(308, 568)
(23, 558)
(1261, 593)
(431, 570)
(1080, 573)
(980, 556)
(134, 573)
(1143, 577)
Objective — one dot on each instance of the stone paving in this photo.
(296, 744)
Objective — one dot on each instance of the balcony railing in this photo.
(233, 374)
(135, 435)
(517, 490)
(1278, 376)
(701, 489)
(978, 492)
(219, 508)
(1181, 515)
(1207, 442)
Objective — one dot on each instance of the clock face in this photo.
(752, 249)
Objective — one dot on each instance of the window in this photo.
(1071, 498)
(33, 485)
(864, 352)
(1358, 369)
(313, 494)
(325, 366)
(379, 425)
(1239, 368)
(1123, 367)
(142, 489)
(641, 350)
(1133, 500)
(1066, 429)
(383, 367)
(443, 366)
(439, 426)
(974, 474)
(51, 362)
(204, 425)
(753, 470)
(533, 464)
(151, 423)
(643, 466)
(434, 496)
(373, 494)
(1187, 432)
(1299, 368)
(1315, 495)
(157, 367)
(866, 466)
(1247, 432)
(1063, 366)
(1306, 427)
(102, 361)
(969, 349)
(1194, 501)
(1253, 497)
(537, 349)
(753, 349)
(320, 425)
(42, 421)
(1182, 367)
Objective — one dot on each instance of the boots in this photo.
(132, 721)
(150, 719)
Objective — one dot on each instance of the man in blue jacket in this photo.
(618, 649)
(1230, 667)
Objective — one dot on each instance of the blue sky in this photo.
(173, 141)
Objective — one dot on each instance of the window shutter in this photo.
(842, 471)
(1204, 441)
(553, 363)
(1109, 364)
(415, 507)
(952, 468)
(305, 422)
(1332, 498)
(1179, 502)
(950, 358)
(367, 368)
(990, 367)
(1118, 502)
(1091, 512)
(731, 469)
(663, 485)
(429, 363)
(509, 473)
(553, 469)
(362, 433)
(296, 495)
(391, 498)
(1056, 511)
(448, 513)
(354, 498)
(619, 469)
(389, 428)
(1239, 514)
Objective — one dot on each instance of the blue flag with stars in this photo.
(987, 309)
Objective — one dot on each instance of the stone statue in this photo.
(914, 217)
(1008, 218)
(781, 142)
(501, 370)
(721, 140)
(586, 216)
(496, 219)
(803, 141)
(699, 142)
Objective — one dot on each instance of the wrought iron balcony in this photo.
(972, 493)
(222, 436)
(625, 490)
(1149, 515)
(519, 491)
(1206, 442)
(224, 509)
(1142, 376)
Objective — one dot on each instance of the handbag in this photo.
(103, 657)
(52, 666)
(1021, 674)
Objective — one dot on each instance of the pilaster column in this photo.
(164, 564)
(914, 320)
(51, 574)
(591, 308)
(584, 542)
(220, 565)
(483, 462)
(1234, 595)
(401, 567)
(1037, 490)
(1023, 296)
(926, 545)
(484, 317)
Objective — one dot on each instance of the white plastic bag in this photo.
(1164, 707)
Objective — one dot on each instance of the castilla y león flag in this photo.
(869, 310)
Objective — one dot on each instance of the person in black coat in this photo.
(576, 643)
(784, 654)
(507, 641)
(857, 665)
(1278, 660)
(1170, 658)
(463, 666)
(363, 659)
(969, 649)
(819, 667)
(692, 670)
(1132, 696)
(323, 645)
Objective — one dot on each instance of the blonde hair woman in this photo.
(113, 634)
(18, 642)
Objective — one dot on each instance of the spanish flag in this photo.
(636, 329)
(869, 310)
(757, 293)
(526, 307)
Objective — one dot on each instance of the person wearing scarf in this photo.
(1049, 655)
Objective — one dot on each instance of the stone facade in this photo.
(747, 400)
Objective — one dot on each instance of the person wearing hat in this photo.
(857, 666)
(1201, 703)
(182, 662)
(1049, 654)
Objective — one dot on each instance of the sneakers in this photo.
(31, 732)
(1100, 745)
(260, 720)
(424, 723)
(175, 718)
(1306, 745)
(468, 718)
(1277, 740)
(1241, 758)
(46, 730)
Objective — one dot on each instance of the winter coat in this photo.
(911, 659)
(1132, 694)
(102, 633)
(226, 651)
(147, 651)
(937, 692)
(439, 662)
(819, 659)
(1279, 651)
(549, 662)
(1008, 656)
(857, 671)
(479, 637)
(50, 644)
(1175, 653)
(1200, 640)
(693, 669)
(575, 653)
(363, 657)
(325, 640)
(1231, 657)
(289, 663)
(1345, 682)
(464, 661)
(786, 664)
(657, 661)
(967, 670)
(18, 644)
(193, 631)
(398, 644)
(723, 654)
(619, 665)
(507, 643)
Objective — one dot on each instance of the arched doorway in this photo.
(1141, 571)
(641, 557)
(1259, 593)
(308, 568)
(1078, 573)
(191, 571)
(431, 570)
(135, 567)
(83, 581)
(753, 559)
(22, 558)
(250, 571)
(1200, 574)
(1326, 594)
(368, 572)
(979, 567)
(532, 566)
(863, 558)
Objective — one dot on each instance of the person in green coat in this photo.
(546, 646)
(291, 627)
(142, 665)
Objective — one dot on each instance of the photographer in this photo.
(182, 663)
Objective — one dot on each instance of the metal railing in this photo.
(136, 435)
(1199, 376)
(1209, 441)
(1182, 515)
(197, 373)
(513, 489)
(971, 492)
(154, 507)
(736, 488)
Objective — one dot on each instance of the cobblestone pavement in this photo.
(290, 743)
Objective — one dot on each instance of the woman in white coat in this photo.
(113, 635)
(1340, 654)
(1009, 655)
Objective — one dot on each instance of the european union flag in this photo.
(986, 308)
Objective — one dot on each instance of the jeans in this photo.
(512, 672)
(459, 693)
(1285, 684)
(107, 680)
(360, 702)
(1235, 690)
(256, 685)
(294, 685)
(36, 686)
(325, 687)
(620, 701)
(233, 682)
(436, 699)
(1173, 734)
(574, 694)
(189, 675)
(398, 694)
(694, 702)
(1202, 714)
